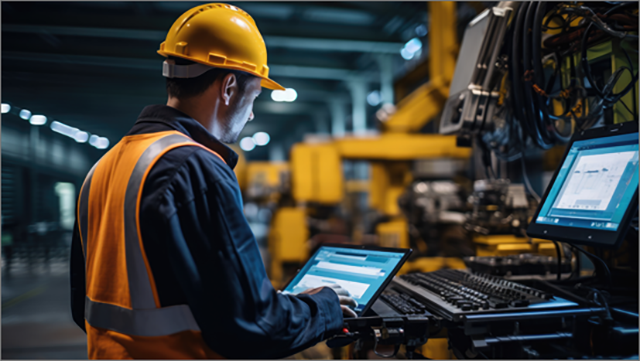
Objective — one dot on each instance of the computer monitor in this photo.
(594, 194)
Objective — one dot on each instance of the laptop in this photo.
(364, 271)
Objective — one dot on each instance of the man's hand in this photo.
(343, 296)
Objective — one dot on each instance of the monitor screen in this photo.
(360, 271)
(595, 184)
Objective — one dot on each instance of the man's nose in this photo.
(251, 116)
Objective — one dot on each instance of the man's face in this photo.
(240, 110)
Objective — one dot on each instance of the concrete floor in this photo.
(36, 314)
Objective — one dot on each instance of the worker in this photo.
(163, 263)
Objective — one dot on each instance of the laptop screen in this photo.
(362, 272)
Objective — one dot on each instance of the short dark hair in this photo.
(190, 87)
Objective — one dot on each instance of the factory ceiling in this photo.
(94, 66)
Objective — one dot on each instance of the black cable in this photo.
(606, 268)
(578, 263)
(585, 63)
(635, 99)
(559, 259)
(536, 59)
(543, 99)
(516, 71)
(529, 100)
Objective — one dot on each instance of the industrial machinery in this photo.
(529, 76)
(396, 158)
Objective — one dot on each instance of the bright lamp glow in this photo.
(421, 30)
(63, 129)
(374, 98)
(247, 144)
(287, 95)
(93, 140)
(410, 48)
(413, 45)
(81, 137)
(38, 120)
(406, 54)
(261, 138)
(25, 114)
(102, 143)
(5, 108)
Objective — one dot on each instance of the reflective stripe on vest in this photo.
(145, 318)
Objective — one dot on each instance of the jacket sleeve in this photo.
(77, 278)
(216, 258)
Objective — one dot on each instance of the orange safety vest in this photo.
(123, 316)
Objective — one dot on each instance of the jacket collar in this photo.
(154, 115)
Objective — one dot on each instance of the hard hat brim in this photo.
(270, 84)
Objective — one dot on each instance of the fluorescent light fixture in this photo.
(247, 144)
(81, 137)
(374, 98)
(102, 143)
(25, 114)
(5, 108)
(277, 95)
(290, 94)
(287, 95)
(63, 129)
(38, 120)
(413, 45)
(261, 138)
(410, 48)
(93, 140)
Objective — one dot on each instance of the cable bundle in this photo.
(532, 93)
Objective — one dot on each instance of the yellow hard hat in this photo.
(216, 35)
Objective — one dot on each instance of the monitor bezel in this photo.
(586, 236)
(406, 251)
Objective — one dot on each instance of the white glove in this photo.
(343, 296)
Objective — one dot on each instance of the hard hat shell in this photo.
(221, 36)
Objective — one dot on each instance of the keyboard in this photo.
(403, 303)
(395, 303)
(516, 265)
(455, 293)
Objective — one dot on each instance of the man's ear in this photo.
(229, 88)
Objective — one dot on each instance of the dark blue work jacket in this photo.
(202, 253)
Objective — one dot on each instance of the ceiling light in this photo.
(81, 137)
(373, 98)
(247, 144)
(102, 143)
(290, 95)
(5, 108)
(25, 114)
(277, 95)
(38, 120)
(93, 140)
(413, 45)
(63, 129)
(421, 30)
(406, 54)
(261, 138)
(410, 48)
(287, 95)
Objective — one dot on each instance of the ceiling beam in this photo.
(159, 36)
(290, 71)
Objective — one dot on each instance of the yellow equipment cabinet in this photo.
(316, 173)
(265, 179)
(288, 237)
